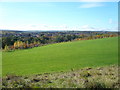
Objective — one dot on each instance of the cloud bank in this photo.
(91, 5)
(63, 27)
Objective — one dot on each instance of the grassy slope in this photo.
(61, 57)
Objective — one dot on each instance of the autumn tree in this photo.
(18, 44)
(6, 48)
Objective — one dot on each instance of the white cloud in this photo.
(94, 28)
(61, 27)
(35, 27)
(91, 5)
(87, 28)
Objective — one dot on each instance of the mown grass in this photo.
(61, 57)
(100, 77)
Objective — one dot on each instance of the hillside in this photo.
(100, 77)
(61, 57)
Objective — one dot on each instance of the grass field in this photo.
(61, 57)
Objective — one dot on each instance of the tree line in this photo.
(14, 42)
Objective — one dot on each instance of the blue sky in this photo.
(83, 16)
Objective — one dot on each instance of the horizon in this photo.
(58, 30)
(60, 16)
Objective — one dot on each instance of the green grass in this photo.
(61, 57)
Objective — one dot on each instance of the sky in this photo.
(82, 16)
